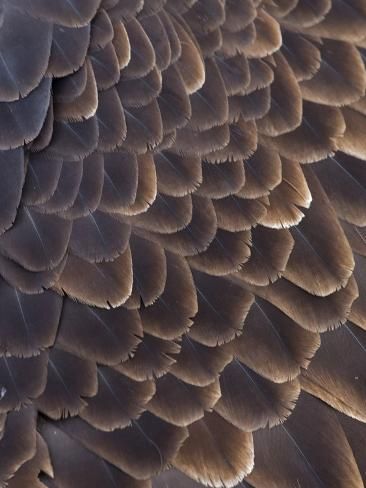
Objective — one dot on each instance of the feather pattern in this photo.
(182, 296)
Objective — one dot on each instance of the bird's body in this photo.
(182, 243)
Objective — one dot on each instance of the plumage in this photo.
(20, 72)
(64, 59)
(12, 176)
(306, 461)
(182, 243)
(204, 457)
(20, 424)
(106, 411)
(22, 120)
(64, 392)
(115, 333)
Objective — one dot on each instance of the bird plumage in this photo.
(182, 243)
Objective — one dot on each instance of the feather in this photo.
(90, 189)
(205, 15)
(24, 330)
(68, 185)
(28, 473)
(68, 88)
(355, 432)
(357, 315)
(166, 215)
(273, 345)
(158, 36)
(142, 52)
(320, 263)
(352, 142)
(126, 9)
(341, 78)
(236, 42)
(106, 284)
(81, 107)
(270, 252)
(108, 336)
(171, 315)
(152, 359)
(302, 55)
(45, 135)
(152, 7)
(101, 30)
(286, 105)
(222, 308)
(177, 175)
(22, 120)
(144, 128)
(209, 42)
(120, 181)
(99, 237)
(121, 44)
(267, 36)
(221, 180)
(235, 73)
(118, 401)
(261, 75)
(281, 8)
(343, 180)
(194, 77)
(37, 242)
(325, 459)
(29, 282)
(64, 392)
(174, 41)
(73, 141)
(284, 200)
(173, 100)
(236, 214)
(146, 187)
(24, 55)
(227, 253)
(209, 104)
(316, 314)
(199, 365)
(18, 425)
(105, 65)
(64, 58)
(242, 143)
(41, 180)
(211, 443)
(141, 450)
(238, 15)
(356, 237)
(68, 455)
(250, 402)
(336, 375)
(69, 14)
(21, 380)
(149, 272)
(197, 236)
(111, 121)
(182, 404)
(253, 106)
(263, 173)
(344, 22)
(318, 136)
(306, 15)
(193, 143)
(141, 92)
(12, 175)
